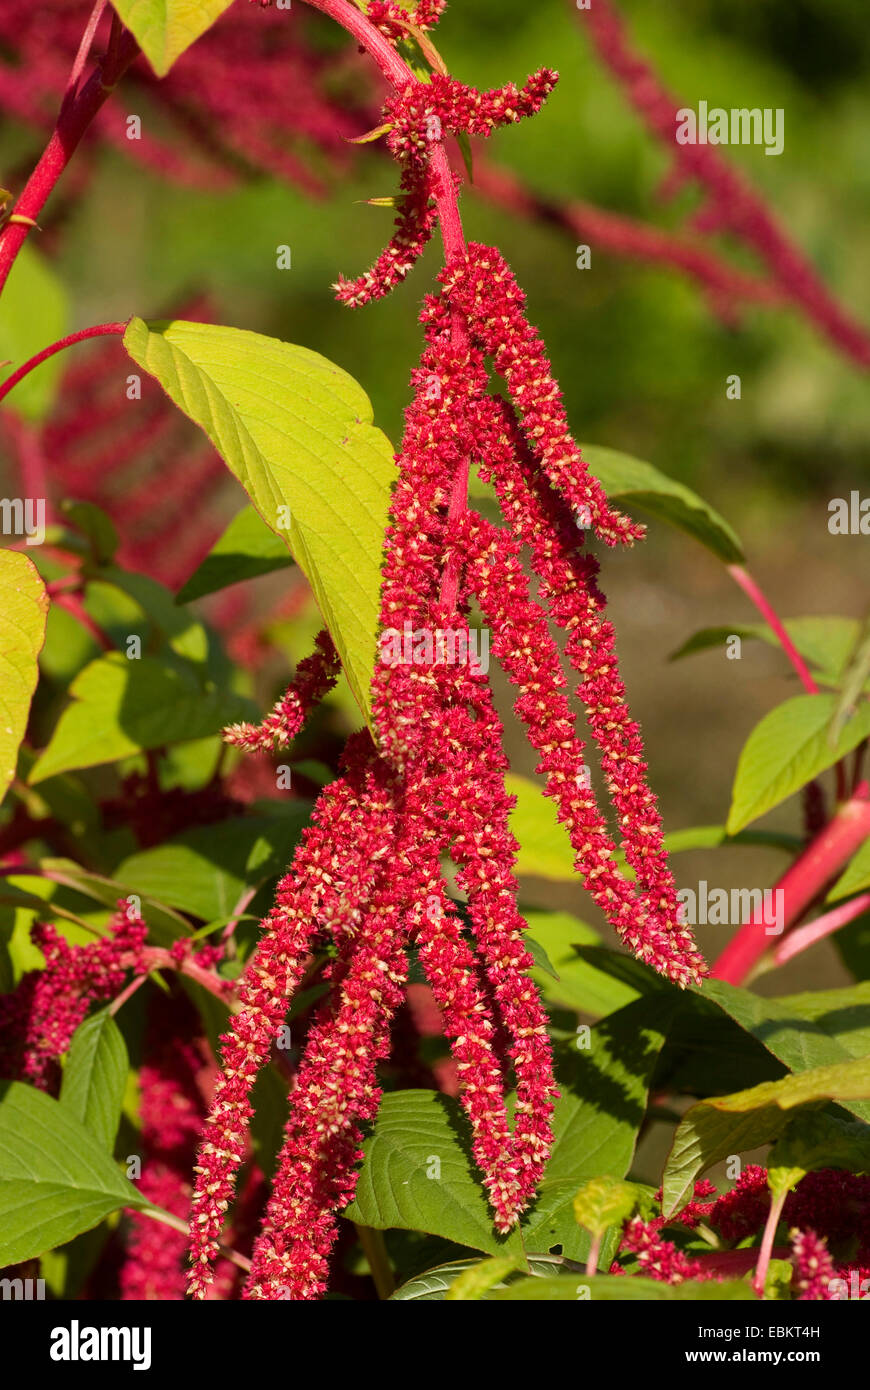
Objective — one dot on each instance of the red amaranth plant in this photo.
(408, 866)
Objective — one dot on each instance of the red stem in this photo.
(74, 118)
(771, 617)
(99, 330)
(800, 885)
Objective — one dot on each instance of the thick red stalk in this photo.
(772, 618)
(800, 884)
(74, 119)
(100, 330)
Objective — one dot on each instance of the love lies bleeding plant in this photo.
(292, 1078)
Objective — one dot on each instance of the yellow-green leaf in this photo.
(24, 604)
(165, 28)
(297, 432)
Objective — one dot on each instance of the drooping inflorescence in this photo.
(369, 875)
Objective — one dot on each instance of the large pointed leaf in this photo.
(56, 1180)
(788, 749)
(627, 479)
(723, 1125)
(24, 605)
(121, 706)
(597, 1119)
(419, 1176)
(297, 433)
(165, 28)
(795, 1039)
(95, 1076)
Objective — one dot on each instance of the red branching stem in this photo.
(800, 885)
(772, 618)
(74, 119)
(400, 75)
(99, 330)
(803, 937)
(158, 958)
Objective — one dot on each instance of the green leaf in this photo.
(55, 1179)
(165, 28)
(34, 312)
(96, 526)
(597, 1118)
(814, 1140)
(722, 1125)
(473, 1283)
(157, 604)
(94, 1077)
(844, 1014)
(246, 549)
(417, 1134)
(24, 605)
(627, 480)
(855, 878)
(540, 957)
(574, 981)
(204, 871)
(825, 642)
(797, 1041)
(121, 706)
(297, 433)
(545, 850)
(606, 1201)
(618, 1288)
(417, 1173)
(163, 924)
(788, 749)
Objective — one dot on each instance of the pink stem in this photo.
(803, 937)
(771, 617)
(800, 884)
(157, 958)
(765, 1250)
(75, 117)
(100, 330)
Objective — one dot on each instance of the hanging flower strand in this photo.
(368, 875)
